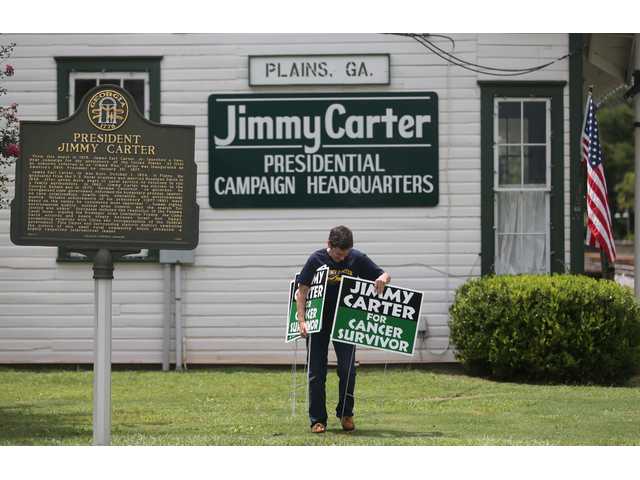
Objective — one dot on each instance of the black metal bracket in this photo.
(103, 261)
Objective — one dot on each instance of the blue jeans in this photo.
(318, 375)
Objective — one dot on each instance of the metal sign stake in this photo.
(294, 380)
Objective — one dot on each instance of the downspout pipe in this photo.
(178, 305)
(166, 324)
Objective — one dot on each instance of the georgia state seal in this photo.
(108, 110)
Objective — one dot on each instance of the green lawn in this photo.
(252, 406)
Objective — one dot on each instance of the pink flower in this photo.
(8, 70)
(12, 150)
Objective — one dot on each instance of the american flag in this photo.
(599, 226)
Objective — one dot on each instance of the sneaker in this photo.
(347, 424)
(318, 428)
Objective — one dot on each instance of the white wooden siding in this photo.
(235, 293)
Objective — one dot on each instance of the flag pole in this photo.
(608, 269)
(586, 107)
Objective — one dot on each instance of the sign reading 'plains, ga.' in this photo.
(368, 68)
(323, 150)
(313, 308)
(387, 321)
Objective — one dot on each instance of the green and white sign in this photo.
(304, 150)
(385, 322)
(313, 308)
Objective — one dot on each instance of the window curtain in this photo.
(521, 237)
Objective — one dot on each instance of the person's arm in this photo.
(381, 281)
(301, 301)
(373, 272)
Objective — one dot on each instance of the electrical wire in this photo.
(503, 72)
(499, 69)
(474, 67)
(484, 67)
(411, 35)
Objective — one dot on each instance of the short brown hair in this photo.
(341, 237)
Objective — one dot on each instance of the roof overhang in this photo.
(608, 61)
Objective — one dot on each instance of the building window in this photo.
(522, 185)
(136, 83)
(140, 76)
(522, 206)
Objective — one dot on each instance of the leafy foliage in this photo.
(626, 191)
(9, 127)
(561, 328)
(616, 128)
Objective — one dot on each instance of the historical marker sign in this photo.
(385, 322)
(106, 178)
(323, 150)
(313, 308)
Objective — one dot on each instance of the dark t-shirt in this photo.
(356, 264)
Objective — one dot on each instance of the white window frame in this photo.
(522, 188)
(73, 76)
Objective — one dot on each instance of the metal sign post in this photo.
(103, 276)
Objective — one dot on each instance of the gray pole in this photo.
(103, 275)
(166, 327)
(178, 287)
(636, 237)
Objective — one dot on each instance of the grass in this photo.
(252, 406)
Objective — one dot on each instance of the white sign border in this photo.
(292, 293)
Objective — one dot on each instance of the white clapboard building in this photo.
(508, 185)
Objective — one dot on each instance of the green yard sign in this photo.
(385, 322)
(319, 150)
(313, 308)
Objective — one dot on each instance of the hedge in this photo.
(558, 328)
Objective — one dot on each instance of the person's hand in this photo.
(381, 282)
(303, 327)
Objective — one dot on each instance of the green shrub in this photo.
(559, 328)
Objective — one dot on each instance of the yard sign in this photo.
(314, 307)
(385, 322)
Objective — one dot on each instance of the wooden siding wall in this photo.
(235, 294)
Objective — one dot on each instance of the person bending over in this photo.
(342, 259)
